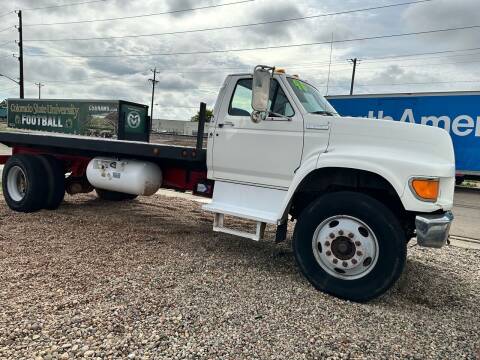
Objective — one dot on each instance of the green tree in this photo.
(208, 112)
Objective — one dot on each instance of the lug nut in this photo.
(332, 235)
(328, 253)
(345, 264)
(354, 261)
(358, 243)
(350, 235)
(340, 232)
(327, 243)
(335, 261)
(359, 253)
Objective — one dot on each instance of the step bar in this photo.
(218, 226)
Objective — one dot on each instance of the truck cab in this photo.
(359, 190)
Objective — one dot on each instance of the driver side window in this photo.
(241, 102)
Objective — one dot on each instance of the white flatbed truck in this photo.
(276, 151)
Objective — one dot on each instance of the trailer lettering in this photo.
(408, 115)
(462, 125)
(435, 121)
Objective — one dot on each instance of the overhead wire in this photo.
(265, 47)
(7, 13)
(269, 47)
(141, 15)
(230, 26)
(62, 5)
(7, 28)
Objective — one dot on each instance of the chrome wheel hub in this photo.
(345, 247)
(16, 183)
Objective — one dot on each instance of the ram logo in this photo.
(133, 119)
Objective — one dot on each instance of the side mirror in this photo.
(262, 76)
(258, 116)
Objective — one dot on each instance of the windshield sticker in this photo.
(299, 85)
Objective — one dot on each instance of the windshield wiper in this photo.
(323, 112)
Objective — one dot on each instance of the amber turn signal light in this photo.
(425, 189)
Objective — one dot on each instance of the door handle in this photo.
(226, 123)
(318, 127)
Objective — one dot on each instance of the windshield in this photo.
(310, 98)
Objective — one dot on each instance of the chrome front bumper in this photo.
(432, 229)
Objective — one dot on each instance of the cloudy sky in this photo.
(119, 68)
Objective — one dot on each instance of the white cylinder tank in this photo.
(127, 176)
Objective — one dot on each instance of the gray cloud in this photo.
(187, 80)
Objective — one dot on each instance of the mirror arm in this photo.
(265, 67)
(277, 117)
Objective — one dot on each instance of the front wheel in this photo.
(349, 245)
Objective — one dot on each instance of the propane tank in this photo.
(126, 176)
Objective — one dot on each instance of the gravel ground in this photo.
(148, 279)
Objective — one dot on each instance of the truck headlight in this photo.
(425, 189)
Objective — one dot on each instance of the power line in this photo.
(410, 65)
(9, 88)
(7, 13)
(234, 26)
(421, 54)
(53, 6)
(63, 5)
(7, 42)
(142, 15)
(418, 58)
(265, 47)
(8, 56)
(420, 83)
(304, 65)
(223, 70)
(7, 28)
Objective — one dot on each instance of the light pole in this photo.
(39, 84)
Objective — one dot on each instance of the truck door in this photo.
(265, 153)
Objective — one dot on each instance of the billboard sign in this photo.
(80, 117)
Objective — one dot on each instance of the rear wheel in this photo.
(55, 181)
(349, 245)
(23, 183)
(459, 180)
(114, 195)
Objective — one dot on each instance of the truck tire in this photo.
(459, 180)
(55, 181)
(23, 183)
(349, 245)
(113, 195)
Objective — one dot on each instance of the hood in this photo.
(383, 135)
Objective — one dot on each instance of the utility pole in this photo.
(354, 61)
(154, 81)
(39, 84)
(20, 56)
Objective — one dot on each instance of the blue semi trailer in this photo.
(456, 112)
